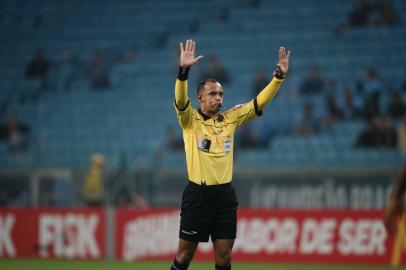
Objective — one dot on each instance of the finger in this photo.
(282, 53)
(193, 46)
(181, 47)
(189, 48)
(187, 45)
(199, 57)
(287, 56)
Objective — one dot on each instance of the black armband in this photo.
(278, 73)
(183, 73)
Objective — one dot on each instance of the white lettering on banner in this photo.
(314, 236)
(361, 237)
(71, 235)
(152, 235)
(323, 195)
(317, 236)
(6, 241)
(271, 235)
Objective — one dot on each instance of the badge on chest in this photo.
(214, 145)
(203, 145)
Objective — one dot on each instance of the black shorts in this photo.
(208, 211)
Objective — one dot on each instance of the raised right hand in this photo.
(187, 54)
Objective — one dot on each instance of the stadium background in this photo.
(129, 118)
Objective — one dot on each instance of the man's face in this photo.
(211, 97)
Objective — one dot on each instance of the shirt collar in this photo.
(220, 118)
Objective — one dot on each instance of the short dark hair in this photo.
(202, 83)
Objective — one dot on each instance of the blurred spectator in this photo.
(369, 14)
(352, 104)
(38, 67)
(371, 86)
(309, 123)
(291, 85)
(371, 135)
(259, 82)
(358, 17)
(380, 132)
(93, 186)
(313, 83)
(18, 136)
(215, 70)
(404, 86)
(371, 83)
(99, 72)
(249, 138)
(385, 13)
(333, 111)
(389, 132)
(101, 65)
(70, 68)
(402, 134)
(396, 108)
(173, 141)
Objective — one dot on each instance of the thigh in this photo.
(225, 223)
(196, 217)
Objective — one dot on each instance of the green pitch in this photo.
(8, 264)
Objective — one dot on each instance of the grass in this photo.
(28, 264)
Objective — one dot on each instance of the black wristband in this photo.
(278, 73)
(183, 73)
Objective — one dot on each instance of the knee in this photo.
(223, 258)
(184, 256)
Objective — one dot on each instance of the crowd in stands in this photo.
(361, 99)
(367, 98)
(376, 13)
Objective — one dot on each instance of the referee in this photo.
(209, 203)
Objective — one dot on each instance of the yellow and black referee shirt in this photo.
(209, 143)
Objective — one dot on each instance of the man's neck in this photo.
(210, 114)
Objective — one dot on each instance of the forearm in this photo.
(267, 94)
(181, 86)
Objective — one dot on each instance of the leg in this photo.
(186, 251)
(222, 252)
(184, 255)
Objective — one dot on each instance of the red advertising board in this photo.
(52, 233)
(294, 236)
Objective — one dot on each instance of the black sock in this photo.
(218, 267)
(177, 266)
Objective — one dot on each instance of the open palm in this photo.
(283, 60)
(187, 54)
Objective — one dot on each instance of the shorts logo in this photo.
(227, 146)
(203, 145)
(189, 233)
